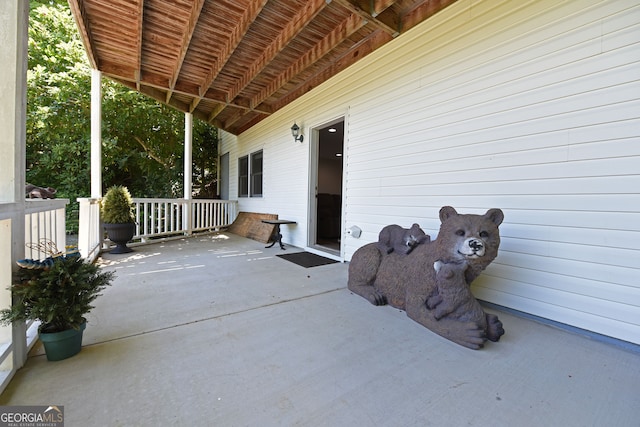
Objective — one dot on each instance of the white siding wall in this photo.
(529, 106)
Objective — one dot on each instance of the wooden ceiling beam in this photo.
(413, 14)
(355, 8)
(422, 11)
(214, 113)
(186, 41)
(127, 78)
(155, 93)
(379, 6)
(233, 119)
(288, 33)
(159, 94)
(114, 34)
(373, 7)
(362, 49)
(120, 72)
(345, 29)
(194, 103)
(248, 123)
(204, 117)
(235, 37)
(78, 12)
(139, 44)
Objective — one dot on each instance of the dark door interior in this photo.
(329, 186)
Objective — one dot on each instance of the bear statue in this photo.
(439, 300)
(402, 240)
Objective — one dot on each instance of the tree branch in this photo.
(149, 152)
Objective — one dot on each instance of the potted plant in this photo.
(118, 219)
(58, 292)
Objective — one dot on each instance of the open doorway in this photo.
(327, 168)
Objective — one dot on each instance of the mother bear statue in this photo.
(431, 283)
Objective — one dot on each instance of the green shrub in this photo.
(116, 206)
(59, 295)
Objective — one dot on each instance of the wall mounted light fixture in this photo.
(295, 131)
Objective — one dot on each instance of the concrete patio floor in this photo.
(215, 330)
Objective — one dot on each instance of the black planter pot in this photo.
(120, 234)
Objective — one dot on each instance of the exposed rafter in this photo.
(346, 28)
(186, 41)
(139, 28)
(292, 29)
(80, 16)
(234, 40)
(367, 14)
(234, 62)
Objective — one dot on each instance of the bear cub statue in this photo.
(453, 296)
(431, 282)
(401, 240)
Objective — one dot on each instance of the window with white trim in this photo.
(250, 175)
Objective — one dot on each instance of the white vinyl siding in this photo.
(530, 106)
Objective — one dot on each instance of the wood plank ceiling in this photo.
(232, 63)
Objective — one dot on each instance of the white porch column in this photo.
(96, 134)
(188, 155)
(14, 21)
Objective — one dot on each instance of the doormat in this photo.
(307, 259)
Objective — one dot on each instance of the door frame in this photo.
(312, 220)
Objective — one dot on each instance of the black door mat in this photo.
(307, 259)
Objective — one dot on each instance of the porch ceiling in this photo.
(232, 63)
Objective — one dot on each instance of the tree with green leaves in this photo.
(142, 140)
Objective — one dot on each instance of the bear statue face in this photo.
(474, 238)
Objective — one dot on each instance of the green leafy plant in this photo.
(59, 296)
(117, 206)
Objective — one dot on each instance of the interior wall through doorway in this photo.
(329, 186)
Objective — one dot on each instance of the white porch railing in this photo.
(90, 234)
(156, 218)
(165, 217)
(44, 219)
